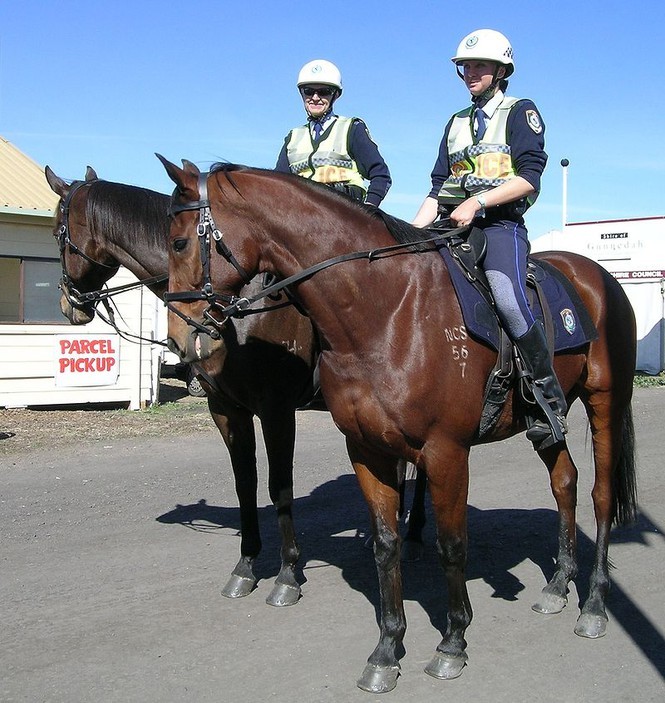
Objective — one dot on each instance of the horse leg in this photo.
(563, 481)
(412, 549)
(279, 434)
(379, 481)
(449, 492)
(236, 426)
(613, 495)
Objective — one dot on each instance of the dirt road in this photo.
(114, 551)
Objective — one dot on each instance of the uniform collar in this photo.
(490, 107)
(323, 122)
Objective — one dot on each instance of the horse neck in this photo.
(298, 230)
(144, 262)
(138, 245)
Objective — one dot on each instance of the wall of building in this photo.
(30, 358)
(633, 250)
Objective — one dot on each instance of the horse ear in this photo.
(190, 167)
(90, 174)
(58, 186)
(188, 183)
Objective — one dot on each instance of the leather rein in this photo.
(233, 306)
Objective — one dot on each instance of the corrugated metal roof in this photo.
(23, 185)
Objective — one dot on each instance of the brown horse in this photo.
(395, 376)
(263, 369)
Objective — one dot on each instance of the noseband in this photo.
(207, 232)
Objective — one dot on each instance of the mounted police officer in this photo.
(487, 173)
(331, 149)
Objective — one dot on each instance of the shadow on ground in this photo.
(499, 540)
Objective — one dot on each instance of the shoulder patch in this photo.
(361, 124)
(533, 120)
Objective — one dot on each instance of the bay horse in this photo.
(396, 379)
(263, 369)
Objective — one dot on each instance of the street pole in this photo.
(564, 193)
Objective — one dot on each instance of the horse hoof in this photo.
(591, 626)
(378, 679)
(412, 551)
(238, 587)
(283, 594)
(549, 603)
(446, 666)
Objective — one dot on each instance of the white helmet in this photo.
(486, 45)
(320, 72)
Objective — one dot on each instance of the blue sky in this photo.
(108, 84)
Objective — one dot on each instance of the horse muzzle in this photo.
(76, 314)
(194, 347)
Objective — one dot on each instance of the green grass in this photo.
(644, 380)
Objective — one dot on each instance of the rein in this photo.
(239, 307)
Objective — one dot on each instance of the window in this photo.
(29, 290)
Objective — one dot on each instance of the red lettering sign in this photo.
(86, 360)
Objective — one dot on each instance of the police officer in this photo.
(332, 149)
(488, 172)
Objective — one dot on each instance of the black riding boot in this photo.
(538, 363)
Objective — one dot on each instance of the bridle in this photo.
(74, 297)
(207, 232)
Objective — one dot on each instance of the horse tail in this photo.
(625, 481)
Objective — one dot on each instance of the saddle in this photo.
(552, 298)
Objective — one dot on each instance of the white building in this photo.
(43, 359)
(633, 250)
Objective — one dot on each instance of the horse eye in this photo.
(179, 244)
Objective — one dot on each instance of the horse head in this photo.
(195, 318)
(86, 265)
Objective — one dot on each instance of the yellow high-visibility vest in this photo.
(328, 160)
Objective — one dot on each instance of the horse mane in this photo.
(401, 231)
(132, 215)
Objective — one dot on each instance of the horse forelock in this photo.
(127, 215)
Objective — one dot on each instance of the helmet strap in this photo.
(489, 93)
(328, 111)
(322, 119)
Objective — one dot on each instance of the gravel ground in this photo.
(114, 551)
(31, 429)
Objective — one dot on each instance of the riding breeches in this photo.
(505, 268)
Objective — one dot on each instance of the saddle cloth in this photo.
(572, 325)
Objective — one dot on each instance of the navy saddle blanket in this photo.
(571, 322)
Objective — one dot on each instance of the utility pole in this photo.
(564, 193)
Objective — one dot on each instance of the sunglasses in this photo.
(321, 92)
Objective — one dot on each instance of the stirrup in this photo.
(550, 431)
(544, 435)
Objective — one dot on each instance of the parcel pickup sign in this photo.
(86, 359)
